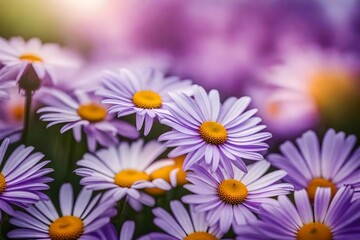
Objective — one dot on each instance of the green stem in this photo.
(27, 116)
(71, 158)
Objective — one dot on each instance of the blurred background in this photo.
(298, 60)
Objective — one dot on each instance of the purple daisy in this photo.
(329, 219)
(123, 170)
(143, 94)
(76, 221)
(108, 232)
(22, 177)
(84, 112)
(183, 226)
(220, 134)
(48, 59)
(235, 197)
(310, 165)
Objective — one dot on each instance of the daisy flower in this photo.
(310, 165)
(220, 134)
(76, 221)
(234, 198)
(83, 112)
(12, 116)
(22, 177)
(327, 219)
(183, 225)
(173, 174)
(108, 232)
(48, 59)
(143, 94)
(124, 169)
(292, 93)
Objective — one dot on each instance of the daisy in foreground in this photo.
(123, 170)
(22, 177)
(143, 94)
(84, 112)
(220, 134)
(311, 166)
(328, 219)
(183, 226)
(79, 221)
(48, 59)
(233, 198)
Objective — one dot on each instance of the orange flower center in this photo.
(126, 178)
(66, 228)
(200, 236)
(314, 231)
(147, 99)
(232, 191)
(164, 173)
(213, 132)
(92, 112)
(2, 183)
(30, 57)
(319, 182)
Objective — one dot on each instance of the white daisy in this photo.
(143, 94)
(48, 60)
(124, 169)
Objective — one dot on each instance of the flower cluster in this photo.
(205, 158)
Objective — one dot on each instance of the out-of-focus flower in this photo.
(233, 198)
(123, 170)
(22, 177)
(330, 219)
(4, 87)
(219, 44)
(84, 112)
(108, 232)
(49, 60)
(12, 116)
(219, 134)
(310, 166)
(144, 94)
(172, 174)
(76, 221)
(183, 226)
(310, 81)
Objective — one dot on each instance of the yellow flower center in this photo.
(92, 112)
(30, 57)
(2, 183)
(213, 132)
(66, 228)
(164, 173)
(17, 112)
(320, 182)
(127, 177)
(314, 231)
(232, 191)
(147, 99)
(200, 236)
(326, 83)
